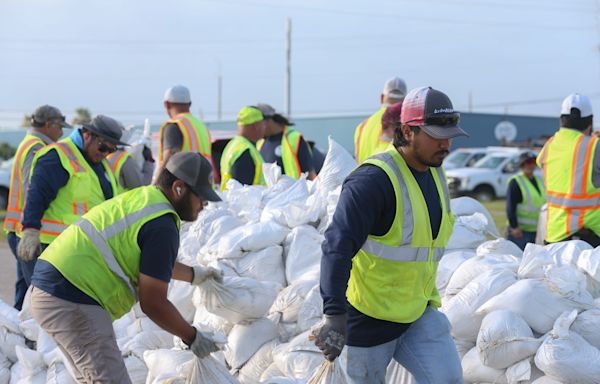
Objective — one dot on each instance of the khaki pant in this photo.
(85, 335)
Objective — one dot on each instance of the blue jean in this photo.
(528, 237)
(20, 284)
(426, 350)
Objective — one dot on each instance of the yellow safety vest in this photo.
(290, 143)
(99, 254)
(115, 162)
(528, 210)
(196, 137)
(16, 194)
(81, 193)
(367, 136)
(567, 161)
(233, 150)
(393, 276)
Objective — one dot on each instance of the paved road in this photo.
(7, 274)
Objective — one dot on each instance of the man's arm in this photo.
(513, 197)
(366, 206)
(47, 178)
(305, 159)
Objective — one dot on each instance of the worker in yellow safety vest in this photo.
(284, 145)
(127, 173)
(571, 169)
(121, 252)
(382, 250)
(525, 197)
(68, 178)
(368, 137)
(241, 160)
(183, 132)
(47, 123)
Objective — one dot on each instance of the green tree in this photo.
(7, 151)
(83, 115)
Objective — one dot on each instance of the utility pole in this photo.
(219, 92)
(287, 100)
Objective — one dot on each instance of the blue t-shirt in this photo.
(367, 205)
(158, 240)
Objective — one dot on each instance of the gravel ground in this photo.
(7, 274)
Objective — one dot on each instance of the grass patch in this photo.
(497, 209)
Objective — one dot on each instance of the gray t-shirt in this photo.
(132, 177)
(172, 137)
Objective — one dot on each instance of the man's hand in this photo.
(516, 233)
(203, 345)
(330, 335)
(203, 273)
(29, 247)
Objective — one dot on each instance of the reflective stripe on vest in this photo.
(100, 239)
(401, 253)
(16, 196)
(116, 161)
(196, 137)
(532, 201)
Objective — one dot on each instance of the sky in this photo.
(118, 57)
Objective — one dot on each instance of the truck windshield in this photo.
(490, 162)
(457, 158)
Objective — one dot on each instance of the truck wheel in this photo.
(484, 193)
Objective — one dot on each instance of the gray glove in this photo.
(203, 345)
(330, 335)
(202, 273)
(29, 247)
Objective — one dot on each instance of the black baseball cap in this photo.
(196, 171)
(432, 111)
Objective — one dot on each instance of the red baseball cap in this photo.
(432, 111)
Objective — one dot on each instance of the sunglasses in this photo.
(104, 148)
(442, 121)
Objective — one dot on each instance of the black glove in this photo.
(330, 335)
(147, 153)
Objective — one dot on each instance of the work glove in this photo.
(147, 153)
(203, 345)
(330, 335)
(29, 247)
(202, 273)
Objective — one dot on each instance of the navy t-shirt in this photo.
(243, 168)
(271, 153)
(367, 205)
(513, 198)
(158, 240)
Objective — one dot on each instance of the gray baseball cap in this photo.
(266, 110)
(178, 94)
(196, 171)
(395, 88)
(107, 128)
(46, 113)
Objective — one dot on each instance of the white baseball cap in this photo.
(178, 94)
(395, 88)
(580, 102)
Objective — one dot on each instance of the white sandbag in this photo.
(547, 380)
(332, 200)
(299, 358)
(263, 265)
(499, 247)
(143, 324)
(329, 373)
(237, 299)
(477, 265)
(288, 202)
(180, 294)
(302, 249)
(448, 265)
(466, 206)
(519, 372)
(587, 325)
(120, 325)
(209, 249)
(164, 362)
(566, 356)
(45, 343)
(148, 340)
(337, 165)
(468, 233)
(15, 373)
(535, 259)
(4, 369)
(311, 311)
(282, 380)
(29, 328)
(211, 322)
(397, 374)
(251, 372)
(589, 261)
(33, 369)
(290, 300)
(567, 251)
(505, 339)
(58, 374)
(539, 301)
(460, 309)
(474, 371)
(463, 346)
(270, 372)
(251, 237)
(8, 342)
(244, 340)
(9, 317)
(206, 370)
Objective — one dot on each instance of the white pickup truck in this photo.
(488, 178)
